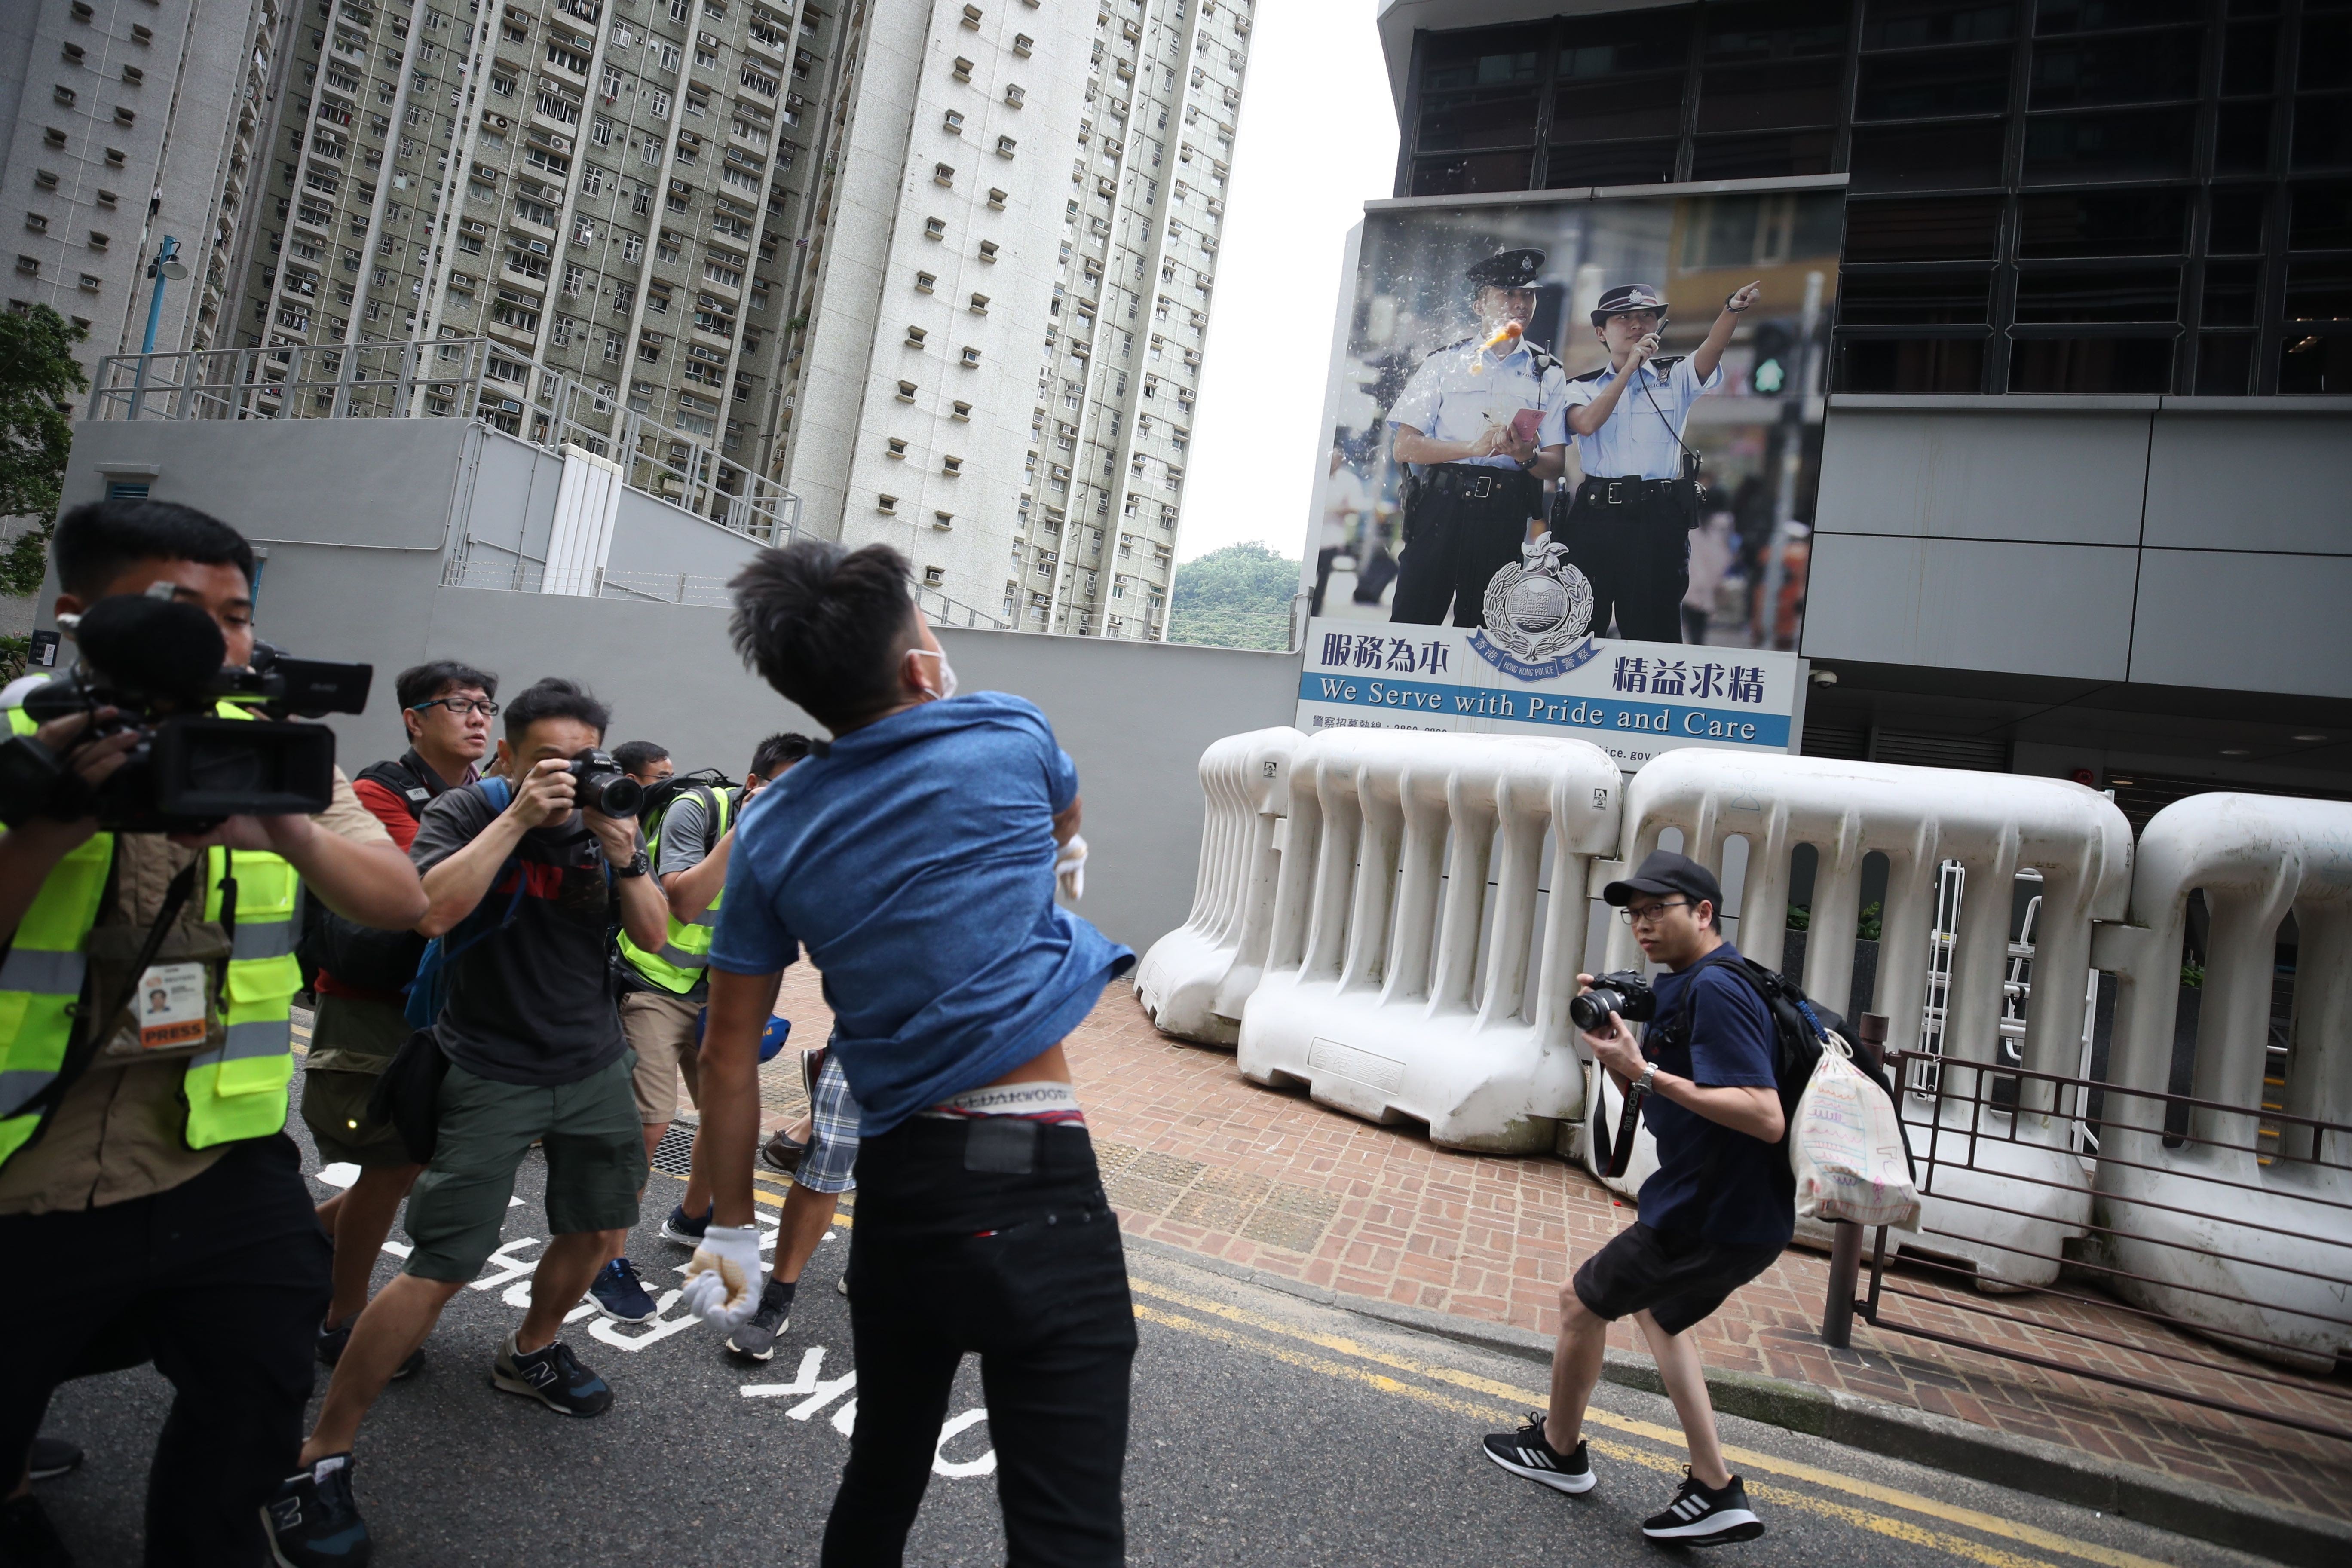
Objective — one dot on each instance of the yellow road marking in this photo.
(1877, 1524)
(1744, 1459)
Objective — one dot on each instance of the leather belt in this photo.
(1625, 491)
(1476, 481)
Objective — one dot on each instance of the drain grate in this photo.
(673, 1156)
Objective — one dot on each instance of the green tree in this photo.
(37, 373)
(1239, 596)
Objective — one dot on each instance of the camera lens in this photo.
(1590, 1011)
(616, 794)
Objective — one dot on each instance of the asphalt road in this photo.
(1267, 1430)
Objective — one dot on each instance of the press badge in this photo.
(171, 1004)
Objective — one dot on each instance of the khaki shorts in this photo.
(660, 1028)
(596, 1163)
(350, 1041)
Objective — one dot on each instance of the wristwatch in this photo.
(1735, 309)
(639, 864)
(1649, 1077)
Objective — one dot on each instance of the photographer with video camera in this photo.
(525, 871)
(360, 1024)
(150, 1202)
(1716, 1213)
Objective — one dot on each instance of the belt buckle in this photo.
(1612, 500)
(1486, 487)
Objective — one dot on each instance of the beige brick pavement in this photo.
(1196, 1156)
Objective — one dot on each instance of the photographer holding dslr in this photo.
(148, 1201)
(1717, 1213)
(525, 871)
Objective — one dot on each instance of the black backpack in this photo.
(659, 798)
(356, 955)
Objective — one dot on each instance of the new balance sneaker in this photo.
(756, 1336)
(51, 1458)
(1527, 1452)
(684, 1228)
(26, 1536)
(1702, 1516)
(312, 1520)
(332, 1341)
(552, 1375)
(617, 1289)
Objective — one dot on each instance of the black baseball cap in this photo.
(1666, 872)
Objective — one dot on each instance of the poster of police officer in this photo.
(1569, 426)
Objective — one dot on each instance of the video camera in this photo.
(160, 664)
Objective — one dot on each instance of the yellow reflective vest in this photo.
(235, 1091)
(685, 951)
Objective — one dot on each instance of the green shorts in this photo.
(350, 1041)
(596, 1149)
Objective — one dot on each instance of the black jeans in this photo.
(224, 1278)
(993, 1238)
(1456, 541)
(1636, 555)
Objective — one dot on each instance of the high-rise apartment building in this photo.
(942, 269)
(122, 121)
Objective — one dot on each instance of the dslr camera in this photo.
(159, 664)
(599, 784)
(1623, 991)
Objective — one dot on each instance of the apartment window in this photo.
(934, 228)
(988, 250)
(971, 16)
(924, 282)
(962, 71)
(915, 337)
(944, 174)
(951, 467)
(951, 122)
(942, 520)
(1004, 146)
(1024, 45)
(885, 504)
(971, 357)
(895, 446)
(906, 392)
(996, 200)
(980, 304)
(961, 411)
(1014, 94)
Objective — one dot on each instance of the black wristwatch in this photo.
(639, 865)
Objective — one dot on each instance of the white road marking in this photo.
(341, 1173)
(983, 1466)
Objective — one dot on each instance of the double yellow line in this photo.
(1362, 1364)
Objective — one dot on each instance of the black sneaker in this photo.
(621, 1294)
(1702, 1516)
(756, 1336)
(552, 1375)
(332, 1342)
(1526, 1452)
(26, 1536)
(782, 1152)
(684, 1228)
(51, 1458)
(312, 1520)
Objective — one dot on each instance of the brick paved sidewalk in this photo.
(1196, 1156)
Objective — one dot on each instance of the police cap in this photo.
(1627, 296)
(1509, 270)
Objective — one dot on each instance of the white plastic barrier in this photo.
(2264, 1239)
(1993, 823)
(1194, 980)
(1395, 986)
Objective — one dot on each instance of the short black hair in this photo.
(825, 625)
(423, 682)
(779, 752)
(635, 755)
(97, 541)
(553, 698)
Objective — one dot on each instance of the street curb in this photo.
(2190, 1508)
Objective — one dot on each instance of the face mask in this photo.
(946, 687)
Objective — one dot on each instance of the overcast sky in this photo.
(1317, 138)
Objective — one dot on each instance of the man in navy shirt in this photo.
(1716, 1213)
(914, 858)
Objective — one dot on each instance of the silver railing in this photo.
(463, 378)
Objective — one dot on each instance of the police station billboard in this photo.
(1572, 454)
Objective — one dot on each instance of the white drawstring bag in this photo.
(1847, 1148)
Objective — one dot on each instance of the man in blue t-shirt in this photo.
(1715, 1214)
(916, 857)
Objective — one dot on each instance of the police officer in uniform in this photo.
(1473, 484)
(1627, 525)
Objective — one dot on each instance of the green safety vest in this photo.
(236, 1091)
(686, 952)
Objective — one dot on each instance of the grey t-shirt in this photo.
(532, 1003)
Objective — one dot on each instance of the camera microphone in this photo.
(161, 647)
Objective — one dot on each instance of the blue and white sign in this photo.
(1633, 700)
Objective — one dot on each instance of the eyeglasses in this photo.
(1649, 914)
(460, 706)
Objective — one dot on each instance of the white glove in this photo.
(723, 1278)
(1070, 868)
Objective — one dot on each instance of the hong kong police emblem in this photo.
(1536, 613)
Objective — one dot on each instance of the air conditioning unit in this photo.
(541, 247)
(501, 122)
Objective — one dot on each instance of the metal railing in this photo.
(463, 378)
(1988, 1099)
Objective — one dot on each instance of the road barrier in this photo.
(2230, 1209)
(1993, 825)
(1396, 983)
(1193, 981)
